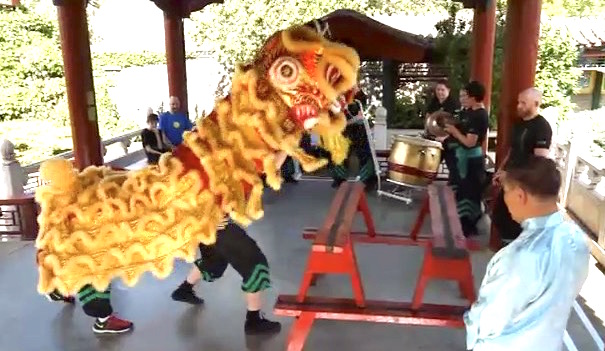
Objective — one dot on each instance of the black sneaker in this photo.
(290, 180)
(261, 325)
(186, 295)
(336, 182)
(56, 297)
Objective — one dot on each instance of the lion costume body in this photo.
(100, 224)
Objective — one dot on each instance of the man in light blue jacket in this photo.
(528, 290)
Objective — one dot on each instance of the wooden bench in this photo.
(447, 255)
(332, 249)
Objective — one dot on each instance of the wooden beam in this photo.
(596, 91)
(374, 311)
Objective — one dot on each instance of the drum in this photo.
(414, 160)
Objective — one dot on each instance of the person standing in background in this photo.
(530, 136)
(442, 100)
(174, 123)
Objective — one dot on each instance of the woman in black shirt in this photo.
(465, 159)
(442, 100)
(155, 142)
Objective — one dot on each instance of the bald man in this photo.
(174, 123)
(531, 136)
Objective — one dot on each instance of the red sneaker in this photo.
(113, 325)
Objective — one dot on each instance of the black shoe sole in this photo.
(273, 330)
(187, 300)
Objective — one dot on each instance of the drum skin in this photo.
(414, 161)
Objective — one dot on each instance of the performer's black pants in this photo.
(94, 303)
(234, 247)
(505, 225)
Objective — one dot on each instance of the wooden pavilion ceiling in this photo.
(375, 41)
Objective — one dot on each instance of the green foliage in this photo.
(31, 68)
(578, 8)
(408, 113)
(556, 75)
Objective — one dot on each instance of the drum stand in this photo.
(402, 191)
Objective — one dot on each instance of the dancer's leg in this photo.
(98, 305)
(244, 255)
(210, 267)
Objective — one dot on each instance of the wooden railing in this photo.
(18, 216)
(118, 151)
(582, 166)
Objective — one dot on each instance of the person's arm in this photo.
(188, 123)
(469, 139)
(543, 140)
(165, 140)
(505, 293)
(162, 122)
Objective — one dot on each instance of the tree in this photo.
(31, 67)
(579, 8)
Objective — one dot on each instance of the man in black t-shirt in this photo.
(530, 136)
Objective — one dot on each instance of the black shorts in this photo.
(236, 248)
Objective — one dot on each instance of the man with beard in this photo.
(530, 136)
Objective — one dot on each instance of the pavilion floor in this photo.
(30, 323)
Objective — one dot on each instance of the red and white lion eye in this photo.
(285, 71)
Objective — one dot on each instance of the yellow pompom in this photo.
(59, 173)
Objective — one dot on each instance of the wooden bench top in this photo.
(448, 238)
(20, 200)
(332, 236)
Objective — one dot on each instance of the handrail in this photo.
(32, 168)
(568, 341)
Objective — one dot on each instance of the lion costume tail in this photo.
(102, 223)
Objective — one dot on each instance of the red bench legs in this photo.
(433, 267)
(424, 211)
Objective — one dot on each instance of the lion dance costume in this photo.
(100, 224)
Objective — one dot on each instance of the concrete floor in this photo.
(30, 323)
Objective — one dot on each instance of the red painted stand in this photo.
(446, 257)
(332, 251)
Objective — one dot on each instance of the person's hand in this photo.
(441, 138)
(497, 179)
(451, 129)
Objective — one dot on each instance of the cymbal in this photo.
(436, 121)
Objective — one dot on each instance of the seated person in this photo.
(155, 142)
(528, 291)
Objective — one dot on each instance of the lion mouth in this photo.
(307, 114)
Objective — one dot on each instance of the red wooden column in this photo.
(482, 59)
(75, 46)
(174, 35)
(519, 70)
